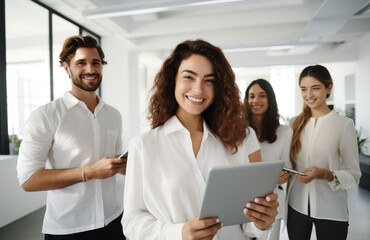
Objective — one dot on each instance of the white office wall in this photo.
(14, 202)
(118, 84)
(127, 79)
(149, 66)
(338, 72)
(363, 89)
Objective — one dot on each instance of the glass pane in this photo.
(84, 33)
(62, 29)
(283, 82)
(27, 57)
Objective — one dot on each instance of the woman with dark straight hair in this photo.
(324, 146)
(197, 123)
(263, 115)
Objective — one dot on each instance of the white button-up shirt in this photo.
(64, 134)
(279, 151)
(331, 144)
(165, 182)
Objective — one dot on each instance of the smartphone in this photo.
(295, 172)
(124, 155)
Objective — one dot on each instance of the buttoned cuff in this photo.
(335, 184)
(174, 231)
(251, 230)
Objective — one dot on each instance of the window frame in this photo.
(4, 135)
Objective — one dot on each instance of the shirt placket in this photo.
(99, 208)
(313, 129)
(201, 179)
(196, 170)
(313, 189)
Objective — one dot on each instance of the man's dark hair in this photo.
(72, 43)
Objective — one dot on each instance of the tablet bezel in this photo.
(229, 187)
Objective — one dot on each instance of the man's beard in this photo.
(91, 87)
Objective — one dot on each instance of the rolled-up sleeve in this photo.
(350, 173)
(35, 146)
(251, 230)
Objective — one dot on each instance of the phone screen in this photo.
(295, 172)
(124, 155)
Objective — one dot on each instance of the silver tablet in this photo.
(230, 187)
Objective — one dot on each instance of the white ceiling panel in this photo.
(312, 28)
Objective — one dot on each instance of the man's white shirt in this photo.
(65, 134)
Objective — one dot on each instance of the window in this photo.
(27, 58)
(31, 71)
(350, 97)
(62, 29)
(283, 82)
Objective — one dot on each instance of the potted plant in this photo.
(360, 141)
(14, 143)
(364, 160)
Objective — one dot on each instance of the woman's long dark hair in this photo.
(270, 121)
(225, 116)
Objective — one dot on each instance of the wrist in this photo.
(87, 173)
(329, 176)
(335, 178)
(83, 174)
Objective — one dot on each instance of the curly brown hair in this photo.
(72, 43)
(225, 116)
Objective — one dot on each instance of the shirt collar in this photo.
(70, 101)
(330, 114)
(173, 125)
(207, 131)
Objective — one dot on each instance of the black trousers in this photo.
(113, 231)
(300, 227)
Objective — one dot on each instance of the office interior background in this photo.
(271, 39)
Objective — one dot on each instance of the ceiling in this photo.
(251, 32)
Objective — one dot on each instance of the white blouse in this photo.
(279, 151)
(330, 144)
(165, 182)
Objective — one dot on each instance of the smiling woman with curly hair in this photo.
(224, 116)
(197, 122)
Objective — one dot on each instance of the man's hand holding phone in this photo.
(123, 156)
(104, 168)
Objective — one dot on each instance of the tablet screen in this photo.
(229, 187)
